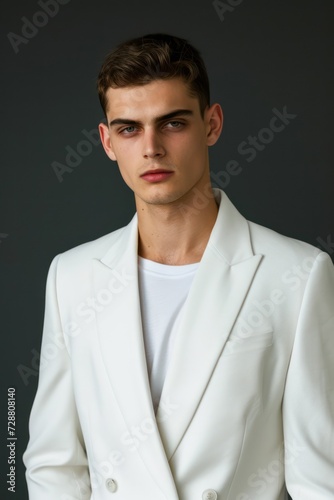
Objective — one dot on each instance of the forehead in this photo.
(156, 98)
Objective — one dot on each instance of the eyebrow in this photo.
(168, 116)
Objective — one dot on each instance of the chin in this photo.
(160, 194)
(160, 198)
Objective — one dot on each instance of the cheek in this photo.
(125, 155)
(193, 152)
(193, 143)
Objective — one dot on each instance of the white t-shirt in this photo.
(163, 291)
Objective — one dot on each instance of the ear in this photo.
(214, 123)
(106, 142)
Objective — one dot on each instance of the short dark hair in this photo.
(154, 57)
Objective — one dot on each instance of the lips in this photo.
(156, 175)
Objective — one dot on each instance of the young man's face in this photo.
(159, 139)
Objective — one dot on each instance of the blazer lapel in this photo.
(219, 288)
(121, 342)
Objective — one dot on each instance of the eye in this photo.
(128, 130)
(174, 124)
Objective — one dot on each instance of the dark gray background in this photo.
(263, 55)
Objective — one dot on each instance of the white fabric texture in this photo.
(250, 376)
(163, 291)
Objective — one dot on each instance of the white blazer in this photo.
(247, 407)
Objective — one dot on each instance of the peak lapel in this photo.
(219, 288)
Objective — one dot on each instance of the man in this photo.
(188, 355)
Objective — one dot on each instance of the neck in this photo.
(176, 233)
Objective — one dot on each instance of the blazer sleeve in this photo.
(308, 407)
(55, 457)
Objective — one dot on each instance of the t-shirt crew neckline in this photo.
(166, 269)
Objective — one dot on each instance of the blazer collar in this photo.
(230, 236)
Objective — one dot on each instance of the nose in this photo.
(152, 146)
